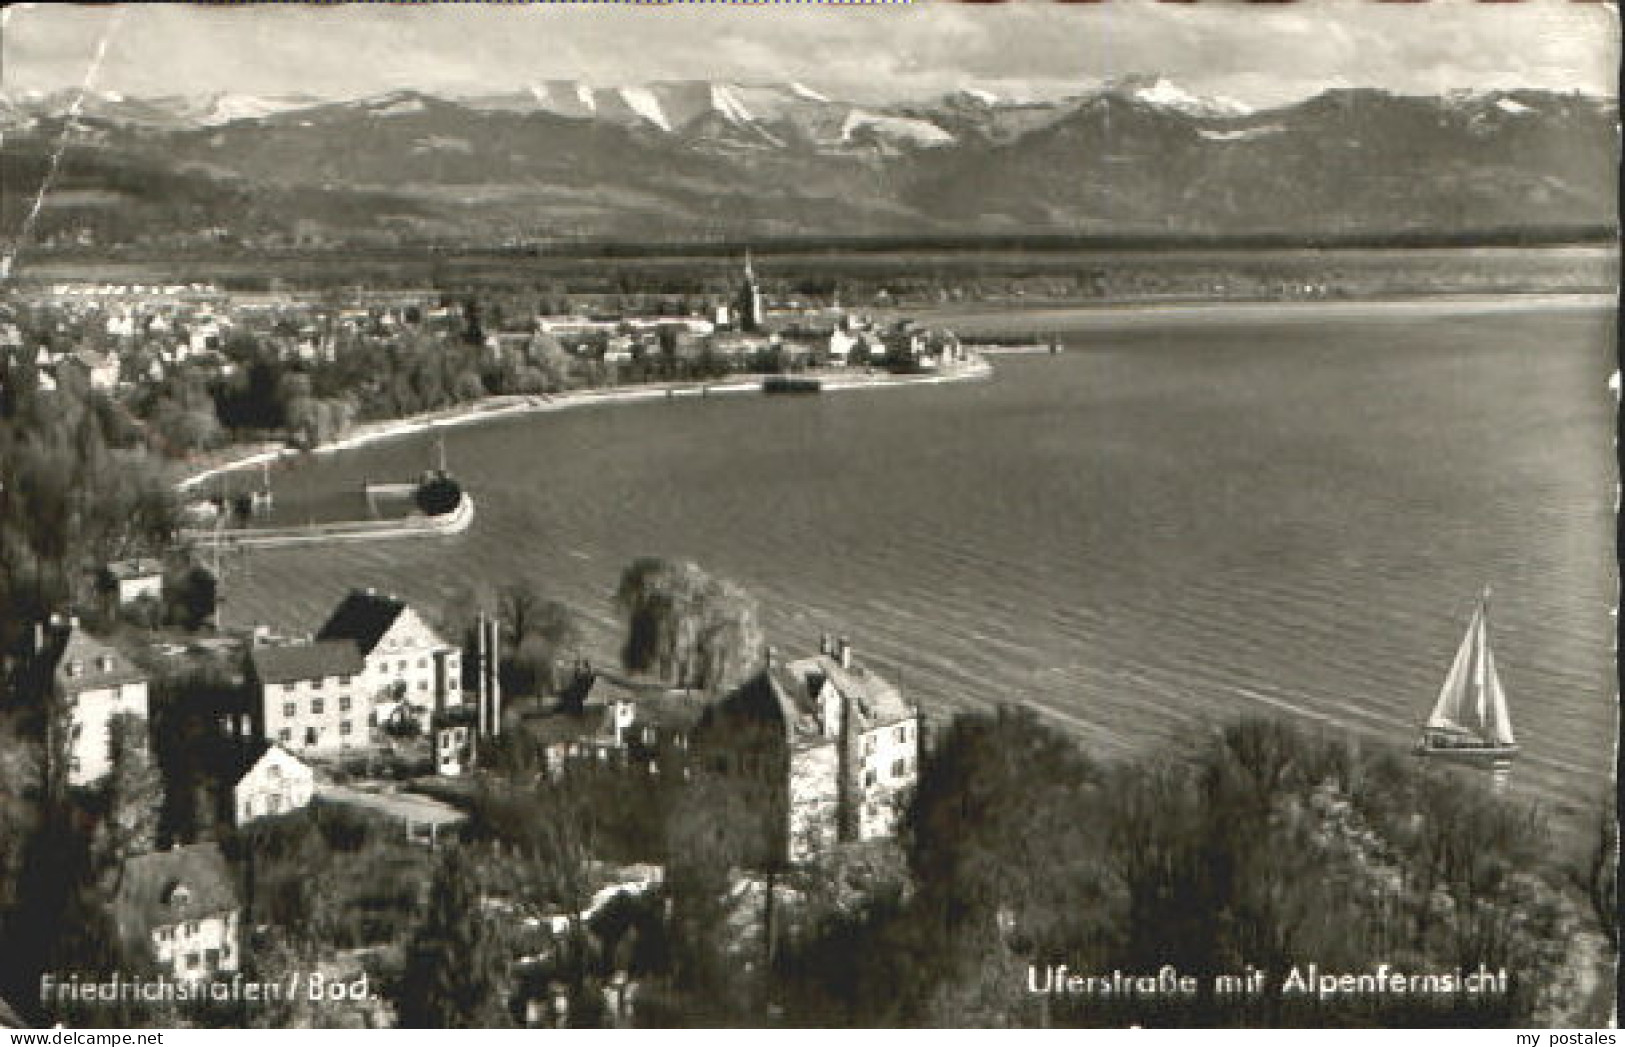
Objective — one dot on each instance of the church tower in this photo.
(750, 299)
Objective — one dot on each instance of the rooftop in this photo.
(141, 567)
(318, 659)
(787, 694)
(84, 663)
(169, 887)
(877, 699)
(593, 688)
(776, 694)
(230, 759)
(586, 711)
(362, 617)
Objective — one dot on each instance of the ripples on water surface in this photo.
(1157, 530)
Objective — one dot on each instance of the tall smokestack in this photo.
(479, 688)
(496, 677)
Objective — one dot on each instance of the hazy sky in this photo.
(1258, 54)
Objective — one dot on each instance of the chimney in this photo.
(496, 677)
(826, 644)
(769, 654)
(482, 656)
(843, 653)
(39, 637)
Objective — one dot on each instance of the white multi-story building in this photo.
(307, 696)
(879, 733)
(373, 661)
(403, 660)
(96, 683)
(834, 746)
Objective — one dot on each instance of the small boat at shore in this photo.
(1471, 722)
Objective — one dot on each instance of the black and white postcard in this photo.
(627, 515)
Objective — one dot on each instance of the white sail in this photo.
(1472, 703)
(1449, 711)
(1498, 728)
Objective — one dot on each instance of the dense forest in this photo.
(78, 488)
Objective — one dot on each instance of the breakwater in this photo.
(455, 522)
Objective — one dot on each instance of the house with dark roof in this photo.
(834, 746)
(309, 696)
(372, 661)
(604, 717)
(242, 779)
(271, 781)
(96, 682)
(181, 906)
(405, 662)
(259, 779)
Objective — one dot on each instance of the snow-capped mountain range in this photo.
(679, 157)
(673, 107)
(161, 111)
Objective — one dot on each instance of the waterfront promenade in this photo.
(497, 407)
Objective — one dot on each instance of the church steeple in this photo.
(750, 298)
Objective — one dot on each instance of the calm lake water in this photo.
(1167, 526)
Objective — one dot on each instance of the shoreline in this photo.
(1023, 317)
(977, 320)
(500, 407)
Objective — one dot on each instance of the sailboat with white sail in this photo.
(1470, 722)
